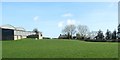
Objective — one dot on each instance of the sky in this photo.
(60, 0)
(51, 17)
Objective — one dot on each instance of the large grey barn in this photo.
(9, 32)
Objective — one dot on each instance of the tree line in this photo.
(83, 32)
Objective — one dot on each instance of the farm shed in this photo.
(9, 32)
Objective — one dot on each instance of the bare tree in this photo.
(70, 30)
(83, 30)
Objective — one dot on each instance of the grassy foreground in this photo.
(0, 49)
(55, 48)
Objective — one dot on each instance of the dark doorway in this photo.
(7, 34)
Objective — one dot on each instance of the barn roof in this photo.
(8, 26)
(20, 28)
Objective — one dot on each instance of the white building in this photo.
(19, 32)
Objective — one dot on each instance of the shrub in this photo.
(32, 36)
(46, 38)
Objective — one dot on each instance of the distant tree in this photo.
(100, 35)
(118, 33)
(78, 36)
(63, 36)
(69, 30)
(36, 31)
(69, 36)
(114, 34)
(83, 30)
(108, 35)
(36, 35)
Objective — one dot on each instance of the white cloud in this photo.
(60, 24)
(71, 22)
(36, 18)
(67, 15)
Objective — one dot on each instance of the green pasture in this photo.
(58, 48)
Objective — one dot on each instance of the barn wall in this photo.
(15, 37)
(40, 36)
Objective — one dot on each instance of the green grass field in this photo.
(55, 48)
(0, 49)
